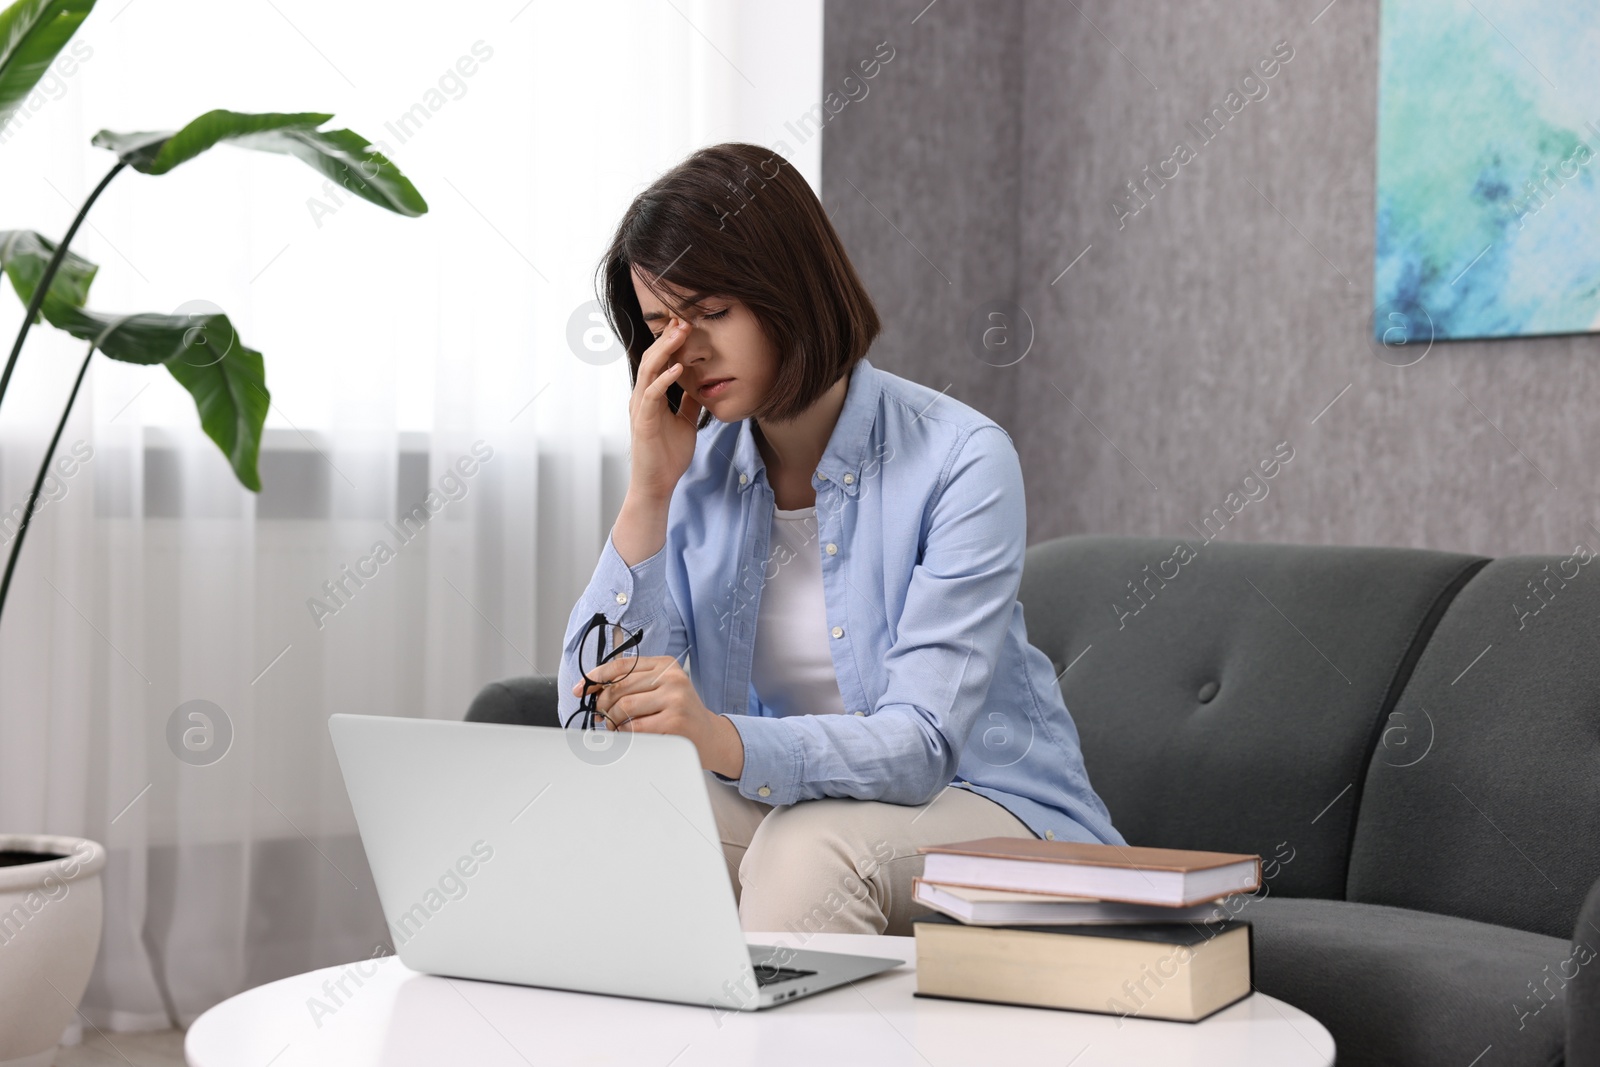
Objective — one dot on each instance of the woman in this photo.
(836, 552)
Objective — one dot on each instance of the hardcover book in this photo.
(1183, 972)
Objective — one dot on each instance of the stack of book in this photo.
(1122, 930)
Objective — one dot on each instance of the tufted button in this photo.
(833, 549)
(764, 791)
(849, 479)
(622, 598)
(1208, 691)
(743, 478)
(1050, 834)
(838, 631)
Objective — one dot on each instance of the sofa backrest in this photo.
(1486, 803)
(1230, 696)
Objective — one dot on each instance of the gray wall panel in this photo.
(921, 179)
(1219, 320)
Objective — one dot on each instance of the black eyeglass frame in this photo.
(588, 706)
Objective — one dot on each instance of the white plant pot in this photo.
(50, 915)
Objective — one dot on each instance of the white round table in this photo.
(390, 1015)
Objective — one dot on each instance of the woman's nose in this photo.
(691, 350)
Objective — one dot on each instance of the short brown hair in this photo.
(737, 220)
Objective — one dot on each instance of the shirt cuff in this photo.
(772, 760)
(630, 597)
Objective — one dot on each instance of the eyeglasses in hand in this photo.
(628, 650)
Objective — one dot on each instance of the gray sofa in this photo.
(1410, 739)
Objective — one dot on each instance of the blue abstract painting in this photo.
(1488, 203)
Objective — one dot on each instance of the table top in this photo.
(391, 1016)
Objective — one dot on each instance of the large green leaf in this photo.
(32, 32)
(230, 395)
(343, 155)
(24, 255)
(160, 151)
(349, 159)
(227, 380)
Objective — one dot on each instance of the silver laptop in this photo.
(577, 860)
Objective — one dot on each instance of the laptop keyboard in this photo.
(774, 975)
(766, 974)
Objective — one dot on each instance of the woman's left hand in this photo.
(653, 695)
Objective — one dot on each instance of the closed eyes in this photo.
(709, 315)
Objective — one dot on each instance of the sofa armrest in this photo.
(529, 701)
(1583, 992)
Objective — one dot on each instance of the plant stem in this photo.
(43, 287)
(38, 483)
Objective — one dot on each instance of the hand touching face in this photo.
(728, 362)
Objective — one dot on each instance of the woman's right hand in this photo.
(663, 442)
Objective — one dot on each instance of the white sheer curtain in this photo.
(395, 349)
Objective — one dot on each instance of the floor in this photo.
(155, 1048)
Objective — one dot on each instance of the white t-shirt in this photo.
(793, 671)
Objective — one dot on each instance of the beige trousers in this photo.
(840, 865)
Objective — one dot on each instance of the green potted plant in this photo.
(50, 911)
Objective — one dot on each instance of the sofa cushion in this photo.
(1227, 696)
(1583, 1022)
(1402, 987)
(529, 701)
(1499, 819)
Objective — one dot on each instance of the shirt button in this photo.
(849, 479)
(743, 478)
(860, 713)
(824, 477)
(833, 549)
(764, 791)
(838, 631)
(1051, 834)
(622, 598)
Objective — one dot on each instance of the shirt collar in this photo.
(847, 445)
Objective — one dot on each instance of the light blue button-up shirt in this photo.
(921, 527)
